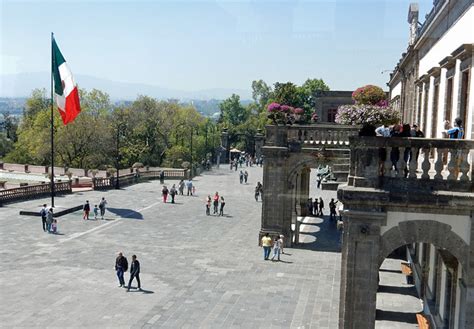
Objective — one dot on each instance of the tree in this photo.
(261, 93)
(288, 93)
(232, 112)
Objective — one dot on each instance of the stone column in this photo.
(259, 138)
(359, 276)
(276, 207)
(225, 145)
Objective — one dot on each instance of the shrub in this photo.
(372, 114)
(368, 95)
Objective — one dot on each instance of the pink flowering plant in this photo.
(373, 114)
(368, 95)
(273, 107)
(371, 106)
(298, 110)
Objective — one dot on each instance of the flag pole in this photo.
(52, 123)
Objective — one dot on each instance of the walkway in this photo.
(198, 271)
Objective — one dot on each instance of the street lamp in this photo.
(117, 162)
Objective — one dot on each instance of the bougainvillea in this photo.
(372, 114)
(368, 95)
(298, 110)
(274, 107)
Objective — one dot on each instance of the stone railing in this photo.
(33, 191)
(310, 135)
(101, 183)
(399, 163)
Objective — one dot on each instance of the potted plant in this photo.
(371, 107)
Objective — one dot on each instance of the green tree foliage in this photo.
(232, 112)
(146, 131)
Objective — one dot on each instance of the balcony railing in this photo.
(311, 135)
(398, 163)
(33, 191)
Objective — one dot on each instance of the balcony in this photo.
(423, 165)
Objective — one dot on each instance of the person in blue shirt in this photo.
(457, 132)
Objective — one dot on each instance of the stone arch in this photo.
(298, 166)
(426, 231)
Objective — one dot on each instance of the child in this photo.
(96, 212)
(54, 226)
(208, 205)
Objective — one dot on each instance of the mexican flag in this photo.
(65, 89)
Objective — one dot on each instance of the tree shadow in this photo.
(126, 213)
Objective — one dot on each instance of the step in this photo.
(341, 176)
(330, 185)
(340, 167)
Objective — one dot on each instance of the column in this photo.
(441, 102)
(258, 144)
(359, 276)
(429, 115)
(456, 91)
(225, 146)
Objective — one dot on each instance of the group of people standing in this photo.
(277, 245)
(215, 201)
(50, 224)
(98, 209)
(315, 208)
(121, 266)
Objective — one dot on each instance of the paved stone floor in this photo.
(198, 271)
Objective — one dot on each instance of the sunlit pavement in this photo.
(197, 270)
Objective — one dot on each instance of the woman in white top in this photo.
(276, 248)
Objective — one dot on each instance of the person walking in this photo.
(54, 226)
(189, 186)
(321, 206)
(96, 211)
(215, 203)
(208, 205)
(221, 210)
(181, 187)
(276, 248)
(162, 177)
(49, 220)
(282, 237)
(164, 193)
(241, 177)
(246, 176)
(86, 208)
(267, 246)
(102, 205)
(121, 266)
(332, 209)
(44, 213)
(173, 192)
(134, 273)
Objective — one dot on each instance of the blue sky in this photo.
(194, 45)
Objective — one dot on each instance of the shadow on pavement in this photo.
(406, 291)
(126, 213)
(395, 316)
(324, 236)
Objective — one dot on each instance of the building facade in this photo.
(432, 84)
(327, 102)
(433, 81)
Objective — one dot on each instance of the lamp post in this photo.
(117, 163)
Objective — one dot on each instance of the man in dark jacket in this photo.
(134, 272)
(121, 266)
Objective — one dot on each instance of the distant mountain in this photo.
(21, 84)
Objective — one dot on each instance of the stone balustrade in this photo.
(412, 163)
(32, 191)
(310, 135)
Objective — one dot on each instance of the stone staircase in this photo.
(340, 169)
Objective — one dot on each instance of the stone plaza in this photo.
(198, 271)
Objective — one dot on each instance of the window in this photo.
(464, 97)
(332, 115)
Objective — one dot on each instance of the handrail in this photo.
(437, 164)
(30, 191)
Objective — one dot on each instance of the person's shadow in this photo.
(135, 289)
